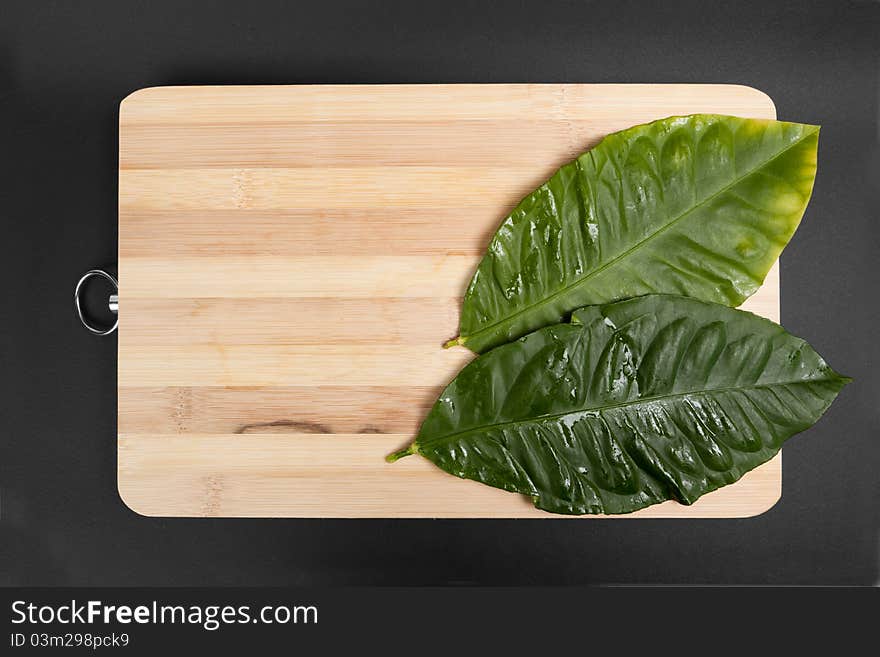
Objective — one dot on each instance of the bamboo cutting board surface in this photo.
(292, 258)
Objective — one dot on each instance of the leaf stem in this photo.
(396, 456)
(455, 342)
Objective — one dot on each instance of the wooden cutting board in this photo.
(292, 258)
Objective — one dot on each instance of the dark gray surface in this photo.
(65, 66)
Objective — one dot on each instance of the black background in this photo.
(64, 67)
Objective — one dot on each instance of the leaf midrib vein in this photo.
(509, 318)
(538, 419)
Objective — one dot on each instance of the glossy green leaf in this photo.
(697, 205)
(632, 403)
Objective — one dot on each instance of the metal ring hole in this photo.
(78, 294)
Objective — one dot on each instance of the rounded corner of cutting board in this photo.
(216, 419)
(135, 501)
(136, 97)
(759, 98)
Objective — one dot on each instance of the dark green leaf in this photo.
(698, 205)
(632, 403)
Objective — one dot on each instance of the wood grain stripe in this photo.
(473, 143)
(307, 276)
(279, 409)
(289, 321)
(605, 105)
(325, 188)
(441, 230)
(305, 365)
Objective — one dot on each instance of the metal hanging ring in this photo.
(113, 302)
